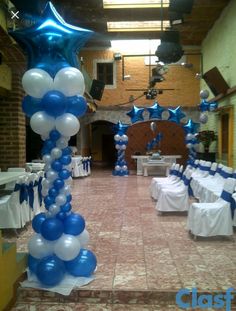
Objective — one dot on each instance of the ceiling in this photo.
(91, 15)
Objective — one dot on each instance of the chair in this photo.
(157, 181)
(203, 172)
(11, 207)
(211, 219)
(10, 186)
(175, 198)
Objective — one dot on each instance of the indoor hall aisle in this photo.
(143, 258)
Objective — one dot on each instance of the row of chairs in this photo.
(207, 218)
(22, 201)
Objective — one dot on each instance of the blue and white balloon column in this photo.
(121, 141)
(54, 88)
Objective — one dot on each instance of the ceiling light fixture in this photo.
(123, 4)
(138, 26)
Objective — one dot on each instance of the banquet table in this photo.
(34, 167)
(7, 177)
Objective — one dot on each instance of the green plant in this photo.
(206, 138)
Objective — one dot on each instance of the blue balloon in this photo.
(65, 159)
(53, 192)
(51, 41)
(58, 183)
(48, 200)
(83, 265)
(77, 105)
(66, 207)
(64, 174)
(74, 224)
(136, 114)
(66, 151)
(33, 263)
(68, 198)
(49, 144)
(155, 111)
(52, 229)
(54, 103)
(62, 215)
(56, 165)
(31, 105)
(54, 135)
(175, 115)
(37, 222)
(50, 270)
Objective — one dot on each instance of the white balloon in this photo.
(56, 153)
(67, 124)
(60, 199)
(124, 167)
(62, 143)
(41, 123)
(189, 136)
(65, 190)
(117, 146)
(124, 137)
(54, 209)
(69, 81)
(83, 238)
(204, 94)
(203, 118)
(47, 159)
(39, 247)
(47, 167)
(51, 175)
(37, 82)
(117, 137)
(69, 181)
(189, 146)
(117, 168)
(123, 147)
(67, 247)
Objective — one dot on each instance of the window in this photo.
(104, 70)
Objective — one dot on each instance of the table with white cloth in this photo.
(7, 177)
(34, 166)
(168, 160)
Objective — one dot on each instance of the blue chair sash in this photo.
(22, 188)
(234, 175)
(228, 198)
(225, 174)
(31, 194)
(179, 174)
(204, 168)
(40, 190)
(212, 173)
(175, 172)
(218, 170)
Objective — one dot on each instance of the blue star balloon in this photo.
(204, 106)
(155, 111)
(51, 44)
(213, 106)
(136, 114)
(191, 127)
(121, 128)
(175, 115)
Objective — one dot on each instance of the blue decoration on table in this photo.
(155, 111)
(52, 43)
(136, 114)
(121, 141)
(175, 115)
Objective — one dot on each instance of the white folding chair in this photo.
(211, 219)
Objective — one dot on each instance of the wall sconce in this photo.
(117, 56)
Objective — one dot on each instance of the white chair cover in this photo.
(175, 198)
(211, 219)
(202, 173)
(11, 210)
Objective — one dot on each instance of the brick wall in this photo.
(12, 125)
(182, 80)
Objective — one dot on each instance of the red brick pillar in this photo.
(12, 125)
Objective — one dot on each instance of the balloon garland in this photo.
(54, 100)
(121, 141)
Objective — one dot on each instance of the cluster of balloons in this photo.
(154, 142)
(58, 245)
(121, 141)
(205, 106)
(54, 100)
(192, 144)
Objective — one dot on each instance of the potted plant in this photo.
(206, 138)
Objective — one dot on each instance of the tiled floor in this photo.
(143, 258)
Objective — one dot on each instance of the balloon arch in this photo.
(155, 114)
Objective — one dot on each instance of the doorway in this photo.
(225, 146)
(103, 147)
